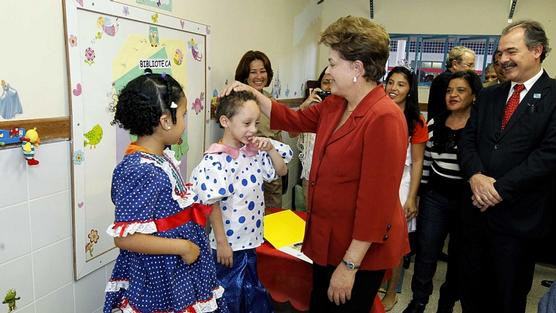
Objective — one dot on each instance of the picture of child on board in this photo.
(230, 178)
(165, 264)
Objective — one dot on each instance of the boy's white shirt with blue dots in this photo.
(238, 187)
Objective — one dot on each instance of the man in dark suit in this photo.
(508, 153)
(459, 58)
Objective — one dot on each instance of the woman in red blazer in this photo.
(356, 227)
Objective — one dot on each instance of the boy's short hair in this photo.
(229, 105)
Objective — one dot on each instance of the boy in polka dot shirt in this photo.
(230, 177)
(165, 263)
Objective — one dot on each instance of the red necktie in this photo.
(512, 104)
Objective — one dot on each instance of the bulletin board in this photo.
(108, 44)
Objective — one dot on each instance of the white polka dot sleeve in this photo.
(210, 179)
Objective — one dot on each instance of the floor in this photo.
(542, 272)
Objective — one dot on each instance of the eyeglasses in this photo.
(326, 81)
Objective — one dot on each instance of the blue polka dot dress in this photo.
(151, 198)
(234, 179)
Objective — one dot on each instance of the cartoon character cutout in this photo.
(93, 137)
(277, 86)
(197, 105)
(108, 26)
(178, 57)
(89, 55)
(192, 44)
(153, 36)
(154, 18)
(29, 142)
(10, 299)
(93, 239)
(78, 157)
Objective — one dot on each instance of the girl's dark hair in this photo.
(472, 79)
(242, 70)
(411, 110)
(144, 99)
(230, 104)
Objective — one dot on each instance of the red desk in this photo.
(289, 279)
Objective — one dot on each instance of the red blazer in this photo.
(355, 178)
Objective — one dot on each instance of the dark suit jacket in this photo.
(522, 157)
(355, 178)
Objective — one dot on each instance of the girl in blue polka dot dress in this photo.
(165, 264)
(230, 177)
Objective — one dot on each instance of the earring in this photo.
(168, 128)
(354, 79)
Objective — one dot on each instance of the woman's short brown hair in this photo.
(242, 70)
(358, 38)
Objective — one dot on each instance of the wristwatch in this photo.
(350, 265)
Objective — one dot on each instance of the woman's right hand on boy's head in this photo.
(224, 254)
(236, 86)
(192, 253)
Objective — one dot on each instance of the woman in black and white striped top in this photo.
(441, 166)
(441, 189)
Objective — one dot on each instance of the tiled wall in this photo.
(36, 249)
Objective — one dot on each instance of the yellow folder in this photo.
(283, 228)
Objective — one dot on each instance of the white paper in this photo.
(295, 250)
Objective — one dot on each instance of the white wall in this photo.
(32, 57)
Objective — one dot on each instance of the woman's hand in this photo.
(191, 254)
(312, 98)
(341, 284)
(224, 254)
(264, 102)
(262, 143)
(411, 207)
(236, 86)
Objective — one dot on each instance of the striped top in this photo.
(441, 170)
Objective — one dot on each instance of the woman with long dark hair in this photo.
(401, 86)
